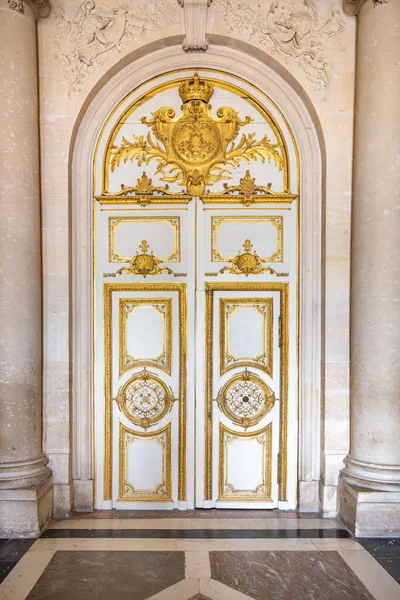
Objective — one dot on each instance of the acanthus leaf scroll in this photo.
(195, 149)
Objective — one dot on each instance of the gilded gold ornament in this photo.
(196, 149)
(247, 263)
(245, 399)
(144, 264)
(145, 399)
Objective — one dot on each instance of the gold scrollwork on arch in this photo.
(245, 399)
(145, 399)
(196, 149)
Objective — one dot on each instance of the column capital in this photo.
(352, 7)
(42, 8)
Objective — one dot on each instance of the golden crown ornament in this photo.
(196, 89)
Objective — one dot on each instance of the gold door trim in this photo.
(275, 220)
(173, 221)
(126, 491)
(263, 361)
(108, 289)
(226, 491)
(283, 289)
(126, 360)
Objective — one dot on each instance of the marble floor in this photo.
(198, 555)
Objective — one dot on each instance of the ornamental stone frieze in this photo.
(298, 33)
(42, 8)
(195, 20)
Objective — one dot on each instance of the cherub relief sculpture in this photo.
(292, 29)
(85, 42)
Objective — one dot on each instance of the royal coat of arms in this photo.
(196, 149)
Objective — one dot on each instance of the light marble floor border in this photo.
(197, 524)
(25, 574)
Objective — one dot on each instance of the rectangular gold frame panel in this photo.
(174, 222)
(268, 335)
(108, 289)
(283, 289)
(165, 361)
(276, 221)
(238, 495)
(151, 495)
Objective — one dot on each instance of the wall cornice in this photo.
(352, 7)
(41, 8)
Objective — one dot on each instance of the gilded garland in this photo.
(196, 149)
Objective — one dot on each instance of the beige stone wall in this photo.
(73, 63)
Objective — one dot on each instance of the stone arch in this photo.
(242, 60)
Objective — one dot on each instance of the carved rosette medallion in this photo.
(245, 399)
(145, 399)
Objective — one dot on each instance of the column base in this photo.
(308, 496)
(25, 512)
(83, 495)
(369, 513)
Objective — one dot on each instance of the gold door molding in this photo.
(226, 489)
(217, 221)
(283, 289)
(163, 306)
(163, 490)
(108, 290)
(264, 360)
(114, 222)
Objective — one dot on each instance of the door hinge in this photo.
(280, 331)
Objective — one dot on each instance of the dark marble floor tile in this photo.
(284, 575)
(106, 575)
(3, 541)
(392, 566)
(198, 533)
(381, 547)
(13, 550)
(5, 568)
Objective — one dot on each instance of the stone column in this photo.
(369, 500)
(26, 498)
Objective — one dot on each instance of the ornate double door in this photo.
(195, 318)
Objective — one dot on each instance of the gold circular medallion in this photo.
(245, 399)
(145, 399)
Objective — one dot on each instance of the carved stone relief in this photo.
(41, 7)
(294, 30)
(86, 42)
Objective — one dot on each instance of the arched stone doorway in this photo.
(291, 110)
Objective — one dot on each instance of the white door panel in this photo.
(195, 300)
